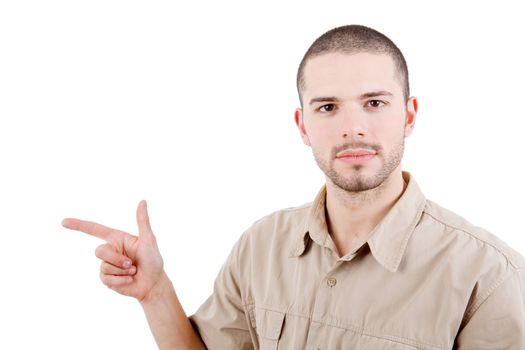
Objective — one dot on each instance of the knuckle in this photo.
(104, 268)
(105, 280)
(99, 251)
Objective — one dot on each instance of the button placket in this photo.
(321, 305)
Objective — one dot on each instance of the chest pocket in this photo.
(269, 325)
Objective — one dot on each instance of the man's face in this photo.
(355, 118)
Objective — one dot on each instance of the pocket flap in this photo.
(269, 323)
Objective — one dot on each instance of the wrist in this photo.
(162, 289)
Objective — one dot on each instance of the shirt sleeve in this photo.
(223, 321)
(499, 322)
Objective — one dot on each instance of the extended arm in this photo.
(132, 266)
(168, 322)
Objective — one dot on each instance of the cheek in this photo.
(394, 139)
(387, 129)
(320, 132)
(321, 138)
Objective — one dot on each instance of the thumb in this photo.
(143, 220)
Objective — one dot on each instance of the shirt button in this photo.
(331, 282)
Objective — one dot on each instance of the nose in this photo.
(353, 123)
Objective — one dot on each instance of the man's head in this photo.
(353, 86)
(353, 39)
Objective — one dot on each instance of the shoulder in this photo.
(283, 217)
(473, 238)
(278, 229)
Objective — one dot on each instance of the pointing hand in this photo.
(131, 265)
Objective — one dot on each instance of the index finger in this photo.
(89, 227)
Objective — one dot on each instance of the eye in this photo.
(327, 107)
(375, 103)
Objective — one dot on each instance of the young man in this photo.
(369, 264)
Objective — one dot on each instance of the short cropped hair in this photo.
(352, 39)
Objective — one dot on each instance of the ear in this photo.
(410, 119)
(300, 125)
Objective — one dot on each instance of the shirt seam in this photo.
(475, 237)
(472, 310)
(474, 307)
(246, 300)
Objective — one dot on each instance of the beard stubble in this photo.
(356, 180)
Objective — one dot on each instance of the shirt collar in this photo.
(389, 238)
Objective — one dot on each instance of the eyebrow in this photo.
(323, 99)
(375, 94)
(361, 97)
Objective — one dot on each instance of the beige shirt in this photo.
(425, 279)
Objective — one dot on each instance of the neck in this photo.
(351, 216)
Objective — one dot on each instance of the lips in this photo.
(356, 153)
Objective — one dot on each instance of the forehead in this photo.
(337, 74)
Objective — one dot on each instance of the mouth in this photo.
(356, 155)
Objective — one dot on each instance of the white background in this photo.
(190, 106)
